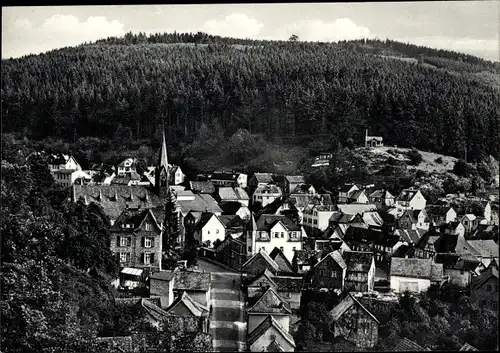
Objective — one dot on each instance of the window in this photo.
(124, 256)
(321, 272)
(217, 231)
(287, 295)
(293, 235)
(148, 227)
(276, 234)
(125, 241)
(334, 274)
(249, 249)
(148, 242)
(147, 258)
(293, 249)
(462, 272)
(282, 234)
(494, 305)
(208, 232)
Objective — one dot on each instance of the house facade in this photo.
(316, 217)
(204, 227)
(414, 219)
(292, 182)
(330, 272)
(381, 198)
(360, 271)
(232, 252)
(62, 161)
(128, 165)
(484, 289)
(136, 237)
(413, 274)
(266, 194)
(345, 192)
(410, 199)
(440, 214)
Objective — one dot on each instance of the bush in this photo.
(439, 160)
(414, 156)
(462, 168)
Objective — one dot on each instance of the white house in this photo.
(67, 177)
(61, 161)
(317, 216)
(455, 227)
(413, 219)
(413, 274)
(126, 166)
(410, 199)
(206, 227)
(345, 192)
(439, 214)
(266, 194)
(271, 231)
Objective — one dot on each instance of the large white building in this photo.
(410, 199)
(271, 231)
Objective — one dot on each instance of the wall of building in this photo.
(484, 297)
(212, 231)
(284, 242)
(293, 298)
(460, 278)
(260, 345)
(357, 326)
(322, 277)
(398, 283)
(162, 288)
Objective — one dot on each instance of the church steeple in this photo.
(161, 170)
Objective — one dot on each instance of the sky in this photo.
(470, 27)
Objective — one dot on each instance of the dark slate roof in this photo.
(224, 176)
(358, 261)
(266, 222)
(484, 277)
(356, 194)
(202, 187)
(410, 235)
(155, 311)
(381, 193)
(403, 250)
(265, 325)
(230, 207)
(345, 188)
(205, 217)
(270, 302)
(345, 304)
(440, 210)
(115, 198)
(406, 195)
(448, 260)
(303, 256)
(278, 256)
(412, 267)
(195, 308)
(486, 232)
(162, 276)
(241, 193)
(367, 235)
(289, 283)
(261, 254)
(485, 248)
(266, 273)
(231, 221)
(302, 200)
(405, 345)
(336, 256)
(187, 280)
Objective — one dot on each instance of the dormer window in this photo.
(148, 227)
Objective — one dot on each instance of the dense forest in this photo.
(284, 90)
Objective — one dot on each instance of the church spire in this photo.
(162, 157)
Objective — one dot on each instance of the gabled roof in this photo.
(438, 210)
(292, 284)
(263, 177)
(188, 280)
(270, 302)
(201, 203)
(356, 194)
(196, 309)
(132, 216)
(358, 261)
(268, 188)
(405, 345)
(373, 219)
(266, 222)
(468, 347)
(202, 187)
(261, 254)
(485, 232)
(231, 221)
(345, 304)
(230, 207)
(302, 200)
(484, 277)
(411, 267)
(205, 218)
(280, 258)
(156, 312)
(241, 194)
(266, 273)
(381, 193)
(354, 208)
(485, 248)
(336, 256)
(227, 193)
(266, 325)
(295, 179)
(410, 235)
(407, 194)
(220, 175)
(346, 187)
(303, 255)
(162, 276)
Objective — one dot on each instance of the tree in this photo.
(306, 335)
(318, 316)
(414, 156)
(462, 168)
(293, 38)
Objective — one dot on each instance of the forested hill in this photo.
(413, 96)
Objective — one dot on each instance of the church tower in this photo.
(161, 171)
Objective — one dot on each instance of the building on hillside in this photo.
(484, 289)
(360, 271)
(373, 141)
(381, 198)
(410, 199)
(235, 208)
(440, 214)
(414, 219)
(455, 228)
(62, 161)
(259, 179)
(414, 275)
(270, 303)
(352, 321)
(204, 228)
(359, 196)
(322, 160)
(345, 193)
(68, 177)
(266, 194)
(128, 165)
(196, 284)
(187, 313)
(271, 231)
(161, 284)
(470, 223)
(409, 236)
(330, 272)
(292, 182)
(304, 189)
(228, 194)
(406, 345)
(303, 261)
(136, 237)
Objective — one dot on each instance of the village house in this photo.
(234, 225)
(345, 192)
(235, 208)
(455, 227)
(126, 166)
(270, 336)
(470, 223)
(381, 198)
(414, 219)
(196, 284)
(364, 239)
(129, 179)
(304, 189)
(137, 237)
(441, 214)
(269, 303)
(271, 231)
(373, 141)
(316, 218)
(410, 199)
(188, 314)
(330, 272)
(353, 322)
(409, 237)
(358, 196)
(204, 228)
(414, 275)
(373, 220)
(484, 289)
(303, 261)
(232, 194)
(161, 283)
(232, 252)
(457, 268)
(265, 194)
(485, 232)
(222, 178)
(292, 182)
(339, 223)
(360, 271)
(62, 161)
(259, 179)
(424, 248)
(68, 177)
(259, 262)
(322, 160)
(299, 202)
(285, 266)
(175, 175)
(202, 187)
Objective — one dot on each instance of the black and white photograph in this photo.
(250, 177)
